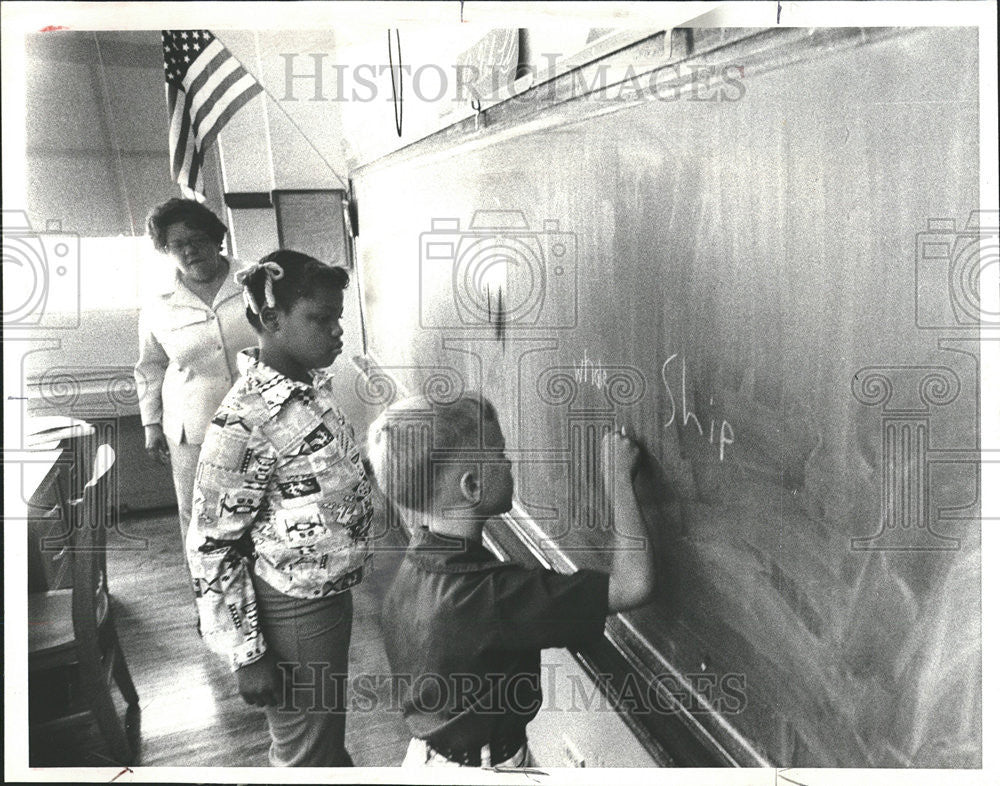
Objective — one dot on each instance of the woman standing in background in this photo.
(189, 335)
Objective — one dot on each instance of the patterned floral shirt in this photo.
(280, 490)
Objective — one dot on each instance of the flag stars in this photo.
(183, 50)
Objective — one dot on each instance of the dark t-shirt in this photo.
(464, 631)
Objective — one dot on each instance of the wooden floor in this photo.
(191, 711)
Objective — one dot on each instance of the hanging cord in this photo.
(397, 99)
(267, 120)
(288, 117)
(106, 99)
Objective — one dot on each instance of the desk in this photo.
(34, 476)
(53, 472)
(76, 438)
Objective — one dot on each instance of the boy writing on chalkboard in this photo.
(463, 630)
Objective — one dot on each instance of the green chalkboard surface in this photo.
(767, 274)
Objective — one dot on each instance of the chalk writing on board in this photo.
(587, 372)
(720, 434)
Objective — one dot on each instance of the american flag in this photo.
(205, 87)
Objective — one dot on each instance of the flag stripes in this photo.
(205, 87)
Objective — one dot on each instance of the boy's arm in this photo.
(233, 474)
(538, 608)
(632, 573)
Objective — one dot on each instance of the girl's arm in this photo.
(234, 469)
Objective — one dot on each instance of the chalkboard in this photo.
(766, 275)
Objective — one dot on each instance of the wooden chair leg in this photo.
(133, 731)
(111, 727)
(123, 678)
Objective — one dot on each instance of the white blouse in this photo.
(187, 356)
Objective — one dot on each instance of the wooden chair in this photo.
(73, 648)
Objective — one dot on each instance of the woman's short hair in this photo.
(302, 277)
(409, 443)
(183, 211)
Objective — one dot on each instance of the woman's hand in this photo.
(156, 444)
(260, 682)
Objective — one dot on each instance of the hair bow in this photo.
(273, 271)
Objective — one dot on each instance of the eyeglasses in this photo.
(196, 242)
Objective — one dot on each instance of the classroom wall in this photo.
(94, 159)
(97, 162)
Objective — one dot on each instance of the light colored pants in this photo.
(184, 465)
(420, 754)
(311, 636)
